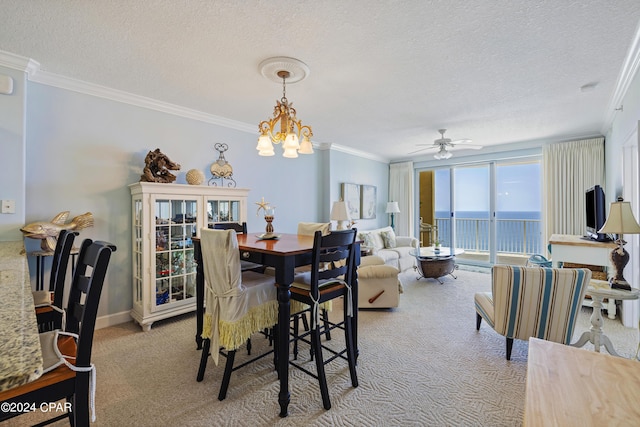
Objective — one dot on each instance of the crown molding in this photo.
(35, 74)
(358, 153)
(92, 89)
(20, 63)
(629, 70)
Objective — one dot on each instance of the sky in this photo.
(518, 188)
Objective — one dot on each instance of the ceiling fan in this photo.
(443, 143)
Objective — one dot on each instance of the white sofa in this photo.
(381, 242)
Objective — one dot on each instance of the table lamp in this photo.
(392, 208)
(620, 221)
(340, 213)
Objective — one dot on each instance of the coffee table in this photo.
(434, 264)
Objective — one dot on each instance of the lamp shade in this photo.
(620, 220)
(339, 212)
(392, 207)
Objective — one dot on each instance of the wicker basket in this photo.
(598, 272)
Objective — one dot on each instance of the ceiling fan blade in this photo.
(423, 149)
(461, 141)
(470, 146)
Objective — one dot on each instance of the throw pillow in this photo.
(389, 239)
(367, 238)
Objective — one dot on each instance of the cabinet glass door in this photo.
(176, 224)
(222, 211)
(138, 256)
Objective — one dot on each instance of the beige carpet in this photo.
(422, 364)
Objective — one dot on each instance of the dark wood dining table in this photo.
(284, 255)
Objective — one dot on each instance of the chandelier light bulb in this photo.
(290, 153)
(305, 146)
(291, 141)
(264, 143)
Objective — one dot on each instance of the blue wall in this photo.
(83, 151)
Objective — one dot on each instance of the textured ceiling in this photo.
(385, 75)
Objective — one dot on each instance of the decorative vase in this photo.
(269, 214)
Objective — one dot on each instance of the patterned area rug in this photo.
(421, 364)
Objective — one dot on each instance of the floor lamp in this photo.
(392, 208)
(620, 221)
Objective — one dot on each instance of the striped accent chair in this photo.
(529, 302)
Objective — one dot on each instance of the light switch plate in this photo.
(8, 206)
(6, 84)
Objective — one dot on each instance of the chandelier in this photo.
(284, 127)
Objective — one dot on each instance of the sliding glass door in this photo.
(491, 210)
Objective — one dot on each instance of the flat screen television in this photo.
(595, 209)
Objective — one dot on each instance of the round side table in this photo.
(599, 290)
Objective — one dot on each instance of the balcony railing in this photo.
(514, 236)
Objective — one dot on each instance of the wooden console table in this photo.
(567, 386)
(575, 249)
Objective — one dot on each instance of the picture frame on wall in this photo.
(368, 202)
(351, 197)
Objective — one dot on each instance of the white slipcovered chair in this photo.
(239, 303)
(378, 284)
(535, 302)
(309, 228)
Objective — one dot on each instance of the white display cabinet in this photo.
(165, 217)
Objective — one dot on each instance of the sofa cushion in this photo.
(389, 256)
(370, 260)
(373, 238)
(377, 272)
(389, 239)
(404, 251)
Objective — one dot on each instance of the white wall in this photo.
(622, 137)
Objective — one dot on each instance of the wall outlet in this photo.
(8, 206)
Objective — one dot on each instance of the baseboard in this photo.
(113, 319)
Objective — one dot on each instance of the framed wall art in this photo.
(368, 201)
(351, 196)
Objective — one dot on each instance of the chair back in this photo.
(236, 226)
(222, 271)
(537, 302)
(84, 297)
(59, 265)
(332, 258)
(309, 228)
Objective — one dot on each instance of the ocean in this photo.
(518, 232)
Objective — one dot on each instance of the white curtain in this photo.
(570, 168)
(401, 191)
